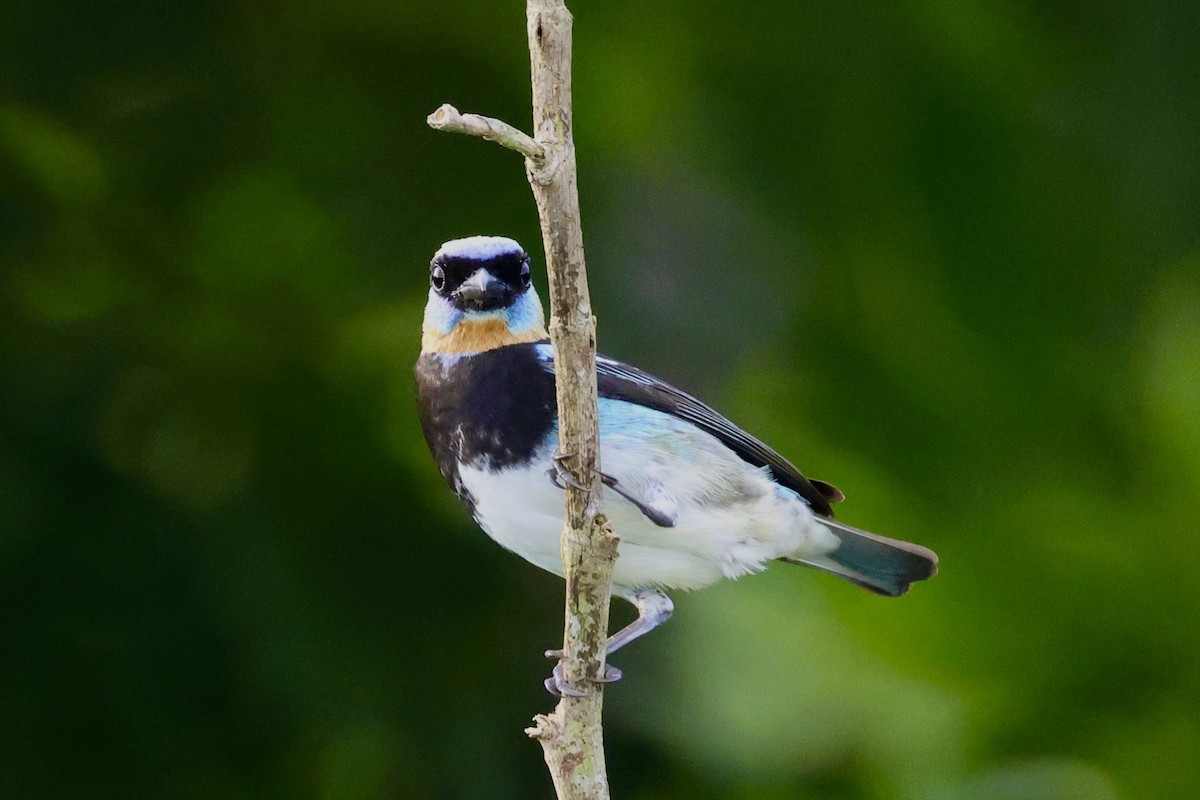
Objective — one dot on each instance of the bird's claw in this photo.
(558, 686)
(611, 674)
(560, 476)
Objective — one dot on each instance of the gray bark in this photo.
(572, 735)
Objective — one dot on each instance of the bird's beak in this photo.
(480, 289)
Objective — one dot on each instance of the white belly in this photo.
(733, 519)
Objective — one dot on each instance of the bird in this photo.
(697, 499)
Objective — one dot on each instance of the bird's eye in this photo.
(525, 277)
(437, 278)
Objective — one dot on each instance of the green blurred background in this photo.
(945, 255)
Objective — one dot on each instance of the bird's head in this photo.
(480, 297)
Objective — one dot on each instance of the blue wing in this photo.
(619, 381)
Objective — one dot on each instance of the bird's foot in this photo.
(560, 476)
(558, 686)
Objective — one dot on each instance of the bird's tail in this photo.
(885, 566)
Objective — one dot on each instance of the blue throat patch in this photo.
(522, 316)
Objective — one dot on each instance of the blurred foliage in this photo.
(942, 254)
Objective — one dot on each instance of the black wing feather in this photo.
(618, 381)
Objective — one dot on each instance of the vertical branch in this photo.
(571, 736)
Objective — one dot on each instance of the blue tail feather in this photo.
(884, 566)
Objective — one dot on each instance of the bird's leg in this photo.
(653, 607)
(662, 513)
(663, 516)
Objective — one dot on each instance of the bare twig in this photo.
(571, 736)
(448, 118)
